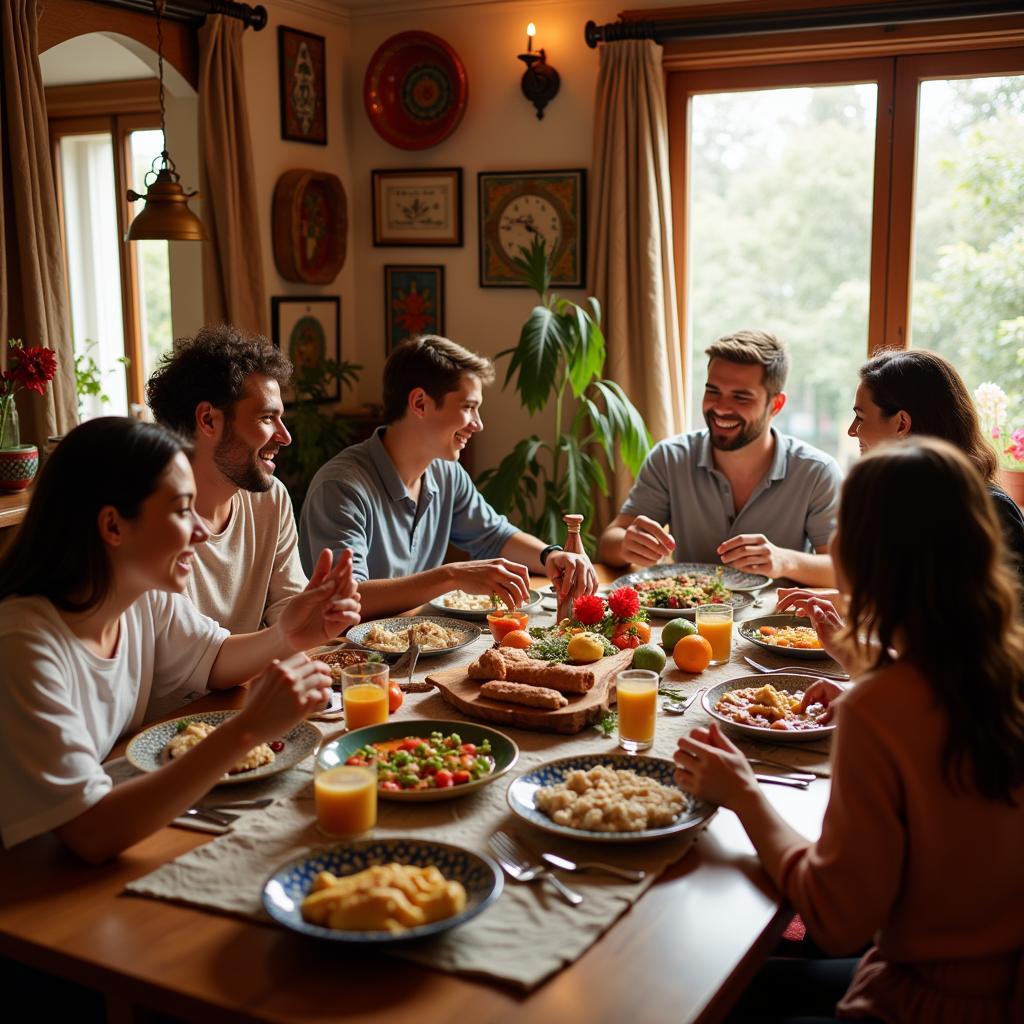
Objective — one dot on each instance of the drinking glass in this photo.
(637, 691)
(345, 795)
(714, 623)
(364, 692)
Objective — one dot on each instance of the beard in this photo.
(750, 430)
(238, 462)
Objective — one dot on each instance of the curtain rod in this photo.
(196, 10)
(792, 21)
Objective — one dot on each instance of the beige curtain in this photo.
(631, 239)
(33, 293)
(233, 286)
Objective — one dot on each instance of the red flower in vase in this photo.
(33, 368)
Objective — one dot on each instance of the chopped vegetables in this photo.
(434, 762)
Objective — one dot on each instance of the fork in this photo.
(795, 670)
(407, 661)
(518, 864)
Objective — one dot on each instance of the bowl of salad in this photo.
(426, 759)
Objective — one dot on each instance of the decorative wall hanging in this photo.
(415, 90)
(417, 207)
(310, 226)
(413, 303)
(300, 70)
(308, 330)
(515, 207)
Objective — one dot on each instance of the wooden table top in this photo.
(691, 942)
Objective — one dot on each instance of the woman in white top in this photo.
(96, 639)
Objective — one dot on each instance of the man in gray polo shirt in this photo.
(739, 492)
(399, 498)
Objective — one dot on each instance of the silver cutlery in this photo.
(781, 780)
(239, 805)
(518, 864)
(674, 706)
(205, 814)
(629, 874)
(407, 662)
(794, 773)
(795, 670)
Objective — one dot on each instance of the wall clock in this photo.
(518, 206)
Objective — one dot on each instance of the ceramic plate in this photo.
(748, 630)
(522, 793)
(415, 90)
(465, 613)
(790, 684)
(468, 631)
(285, 889)
(146, 751)
(503, 750)
(740, 583)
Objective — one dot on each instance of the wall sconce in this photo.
(540, 79)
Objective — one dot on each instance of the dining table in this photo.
(683, 951)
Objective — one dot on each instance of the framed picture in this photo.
(413, 303)
(302, 80)
(518, 206)
(308, 330)
(417, 207)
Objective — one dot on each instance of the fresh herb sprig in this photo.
(609, 722)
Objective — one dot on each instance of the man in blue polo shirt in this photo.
(739, 492)
(399, 498)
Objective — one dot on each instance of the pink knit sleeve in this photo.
(845, 884)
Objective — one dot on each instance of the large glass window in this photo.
(779, 219)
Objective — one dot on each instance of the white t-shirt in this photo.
(62, 707)
(243, 576)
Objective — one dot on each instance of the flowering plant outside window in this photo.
(32, 368)
(993, 404)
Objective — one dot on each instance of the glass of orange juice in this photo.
(345, 795)
(364, 692)
(714, 623)
(637, 691)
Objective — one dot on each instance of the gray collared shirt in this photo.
(358, 501)
(794, 506)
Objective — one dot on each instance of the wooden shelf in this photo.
(13, 507)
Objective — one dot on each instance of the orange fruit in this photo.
(520, 639)
(642, 630)
(395, 697)
(692, 653)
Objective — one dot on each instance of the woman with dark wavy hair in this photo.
(920, 849)
(96, 638)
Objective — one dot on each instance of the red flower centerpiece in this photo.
(32, 369)
(619, 618)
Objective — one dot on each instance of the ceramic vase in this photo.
(18, 467)
(1012, 481)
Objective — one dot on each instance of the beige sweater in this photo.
(936, 877)
(242, 576)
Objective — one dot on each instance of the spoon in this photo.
(629, 874)
(679, 707)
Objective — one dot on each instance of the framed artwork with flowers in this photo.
(413, 302)
(307, 329)
(302, 81)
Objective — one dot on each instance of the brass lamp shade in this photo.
(166, 213)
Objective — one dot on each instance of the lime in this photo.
(674, 630)
(650, 657)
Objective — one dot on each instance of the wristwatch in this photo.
(547, 551)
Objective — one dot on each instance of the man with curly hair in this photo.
(222, 391)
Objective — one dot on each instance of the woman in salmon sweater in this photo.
(922, 842)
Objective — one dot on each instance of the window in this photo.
(851, 204)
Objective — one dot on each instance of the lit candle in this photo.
(531, 31)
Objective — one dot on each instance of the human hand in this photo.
(572, 574)
(645, 542)
(328, 605)
(827, 621)
(713, 768)
(822, 691)
(283, 694)
(754, 552)
(510, 581)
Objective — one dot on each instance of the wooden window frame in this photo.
(895, 61)
(114, 109)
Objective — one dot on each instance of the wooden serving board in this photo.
(582, 710)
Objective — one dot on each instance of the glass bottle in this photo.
(573, 543)
(10, 435)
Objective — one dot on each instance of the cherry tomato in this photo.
(391, 786)
(277, 746)
(626, 641)
(410, 744)
(469, 748)
(458, 778)
(395, 697)
(442, 779)
(356, 760)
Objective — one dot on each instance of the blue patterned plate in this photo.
(523, 791)
(285, 889)
(503, 750)
(467, 633)
(146, 751)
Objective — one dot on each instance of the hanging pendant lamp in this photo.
(166, 214)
